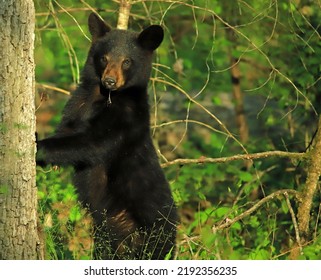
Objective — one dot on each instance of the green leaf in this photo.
(222, 211)
(260, 254)
(75, 214)
(246, 176)
(236, 226)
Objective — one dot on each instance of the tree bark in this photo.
(18, 193)
(311, 185)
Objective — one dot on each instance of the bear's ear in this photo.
(151, 37)
(97, 27)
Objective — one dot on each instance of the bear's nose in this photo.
(109, 82)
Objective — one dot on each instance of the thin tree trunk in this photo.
(123, 16)
(311, 185)
(239, 103)
(18, 193)
(231, 14)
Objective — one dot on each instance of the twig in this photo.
(189, 121)
(295, 224)
(204, 109)
(76, 22)
(54, 88)
(229, 222)
(66, 41)
(317, 223)
(293, 156)
(73, 10)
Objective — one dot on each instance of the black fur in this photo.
(105, 136)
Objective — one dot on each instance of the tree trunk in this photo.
(311, 186)
(238, 99)
(18, 193)
(231, 14)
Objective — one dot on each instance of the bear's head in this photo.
(122, 58)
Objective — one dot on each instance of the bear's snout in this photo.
(109, 83)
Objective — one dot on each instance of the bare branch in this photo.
(295, 224)
(292, 156)
(188, 121)
(229, 222)
(53, 88)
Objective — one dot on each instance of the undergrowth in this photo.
(68, 228)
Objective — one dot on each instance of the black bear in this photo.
(105, 135)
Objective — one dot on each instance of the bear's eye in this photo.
(103, 59)
(126, 63)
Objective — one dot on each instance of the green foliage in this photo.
(276, 47)
(66, 226)
(312, 251)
